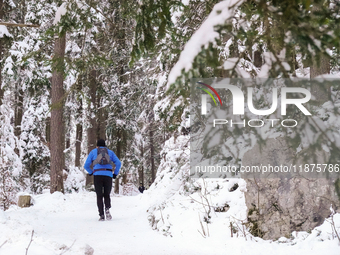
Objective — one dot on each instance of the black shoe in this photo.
(108, 215)
(101, 218)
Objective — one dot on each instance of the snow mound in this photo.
(213, 212)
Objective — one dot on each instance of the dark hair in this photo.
(101, 143)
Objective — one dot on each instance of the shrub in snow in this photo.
(10, 163)
(130, 189)
(75, 180)
(36, 155)
(179, 205)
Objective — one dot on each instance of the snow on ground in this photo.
(67, 224)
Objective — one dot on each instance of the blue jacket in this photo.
(93, 155)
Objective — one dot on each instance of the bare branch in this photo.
(160, 209)
(30, 242)
(18, 24)
(3, 243)
(66, 250)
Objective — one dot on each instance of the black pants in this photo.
(103, 186)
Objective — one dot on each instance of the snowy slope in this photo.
(67, 224)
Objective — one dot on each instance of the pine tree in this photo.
(57, 123)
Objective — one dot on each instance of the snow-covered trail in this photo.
(61, 220)
(66, 224)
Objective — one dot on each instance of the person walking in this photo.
(141, 188)
(102, 159)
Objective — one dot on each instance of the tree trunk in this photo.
(68, 143)
(79, 128)
(48, 131)
(67, 131)
(320, 68)
(67, 123)
(141, 174)
(321, 94)
(152, 154)
(18, 113)
(124, 178)
(101, 120)
(257, 58)
(118, 154)
(323, 65)
(92, 130)
(18, 110)
(79, 138)
(1, 52)
(101, 125)
(57, 125)
(116, 190)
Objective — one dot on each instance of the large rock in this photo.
(279, 206)
(24, 201)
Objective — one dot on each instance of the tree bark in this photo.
(67, 123)
(48, 131)
(321, 93)
(18, 112)
(323, 67)
(57, 138)
(124, 178)
(141, 174)
(101, 124)
(18, 108)
(1, 52)
(257, 58)
(92, 130)
(79, 128)
(101, 114)
(118, 154)
(152, 155)
(67, 143)
(151, 121)
(7, 24)
(79, 138)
